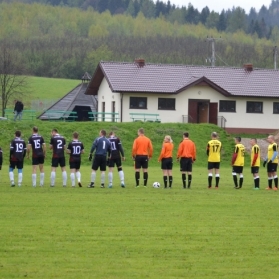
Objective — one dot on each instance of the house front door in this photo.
(213, 113)
(192, 111)
(202, 111)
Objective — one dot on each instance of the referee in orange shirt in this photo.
(187, 155)
(142, 151)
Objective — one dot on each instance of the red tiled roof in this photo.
(166, 78)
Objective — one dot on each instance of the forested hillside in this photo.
(255, 22)
(60, 41)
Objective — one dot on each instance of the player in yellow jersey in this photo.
(213, 151)
(238, 162)
(255, 162)
(272, 161)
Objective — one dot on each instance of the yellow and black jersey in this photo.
(214, 150)
(273, 147)
(255, 156)
(239, 150)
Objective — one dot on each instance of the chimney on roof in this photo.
(248, 67)
(140, 62)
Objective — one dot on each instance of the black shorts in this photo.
(141, 161)
(38, 160)
(166, 164)
(75, 165)
(254, 170)
(213, 165)
(272, 167)
(99, 161)
(16, 164)
(58, 162)
(186, 164)
(114, 161)
(237, 169)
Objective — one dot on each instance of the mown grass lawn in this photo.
(138, 233)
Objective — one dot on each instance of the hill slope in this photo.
(199, 133)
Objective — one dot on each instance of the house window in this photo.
(254, 107)
(227, 106)
(166, 103)
(138, 103)
(276, 108)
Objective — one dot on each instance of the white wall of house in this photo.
(239, 119)
(107, 96)
(242, 119)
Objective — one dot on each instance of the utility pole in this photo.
(213, 58)
(275, 57)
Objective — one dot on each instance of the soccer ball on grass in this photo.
(156, 185)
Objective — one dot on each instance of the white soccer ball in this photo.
(156, 185)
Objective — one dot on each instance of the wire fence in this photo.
(42, 105)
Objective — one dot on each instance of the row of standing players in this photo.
(270, 162)
(142, 152)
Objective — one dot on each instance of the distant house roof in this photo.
(124, 77)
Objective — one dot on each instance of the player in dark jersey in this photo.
(75, 149)
(37, 144)
(102, 146)
(115, 159)
(17, 154)
(58, 145)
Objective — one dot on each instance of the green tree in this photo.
(212, 20)
(222, 23)
(131, 10)
(13, 83)
(204, 14)
(237, 20)
(257, 29)
(275, 34)
(192, 15)
(176, 15)
(148, 8)
(95, 56)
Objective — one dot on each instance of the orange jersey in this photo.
(187, 149)
(166, 151)
(142, 146)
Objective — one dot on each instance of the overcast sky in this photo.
(219, 5)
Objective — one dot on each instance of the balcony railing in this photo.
(187, 119)
(222, 121)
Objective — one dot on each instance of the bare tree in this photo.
(12, 81)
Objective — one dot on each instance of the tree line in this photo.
(231, 20)
(65, 42)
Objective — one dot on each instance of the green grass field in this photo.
(138, 232)
(51, 88)
(135, 233)
(41, 88)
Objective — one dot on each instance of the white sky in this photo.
(219, 5)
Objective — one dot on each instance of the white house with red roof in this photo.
(238, 99)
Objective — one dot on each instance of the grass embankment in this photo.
(127, 132)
